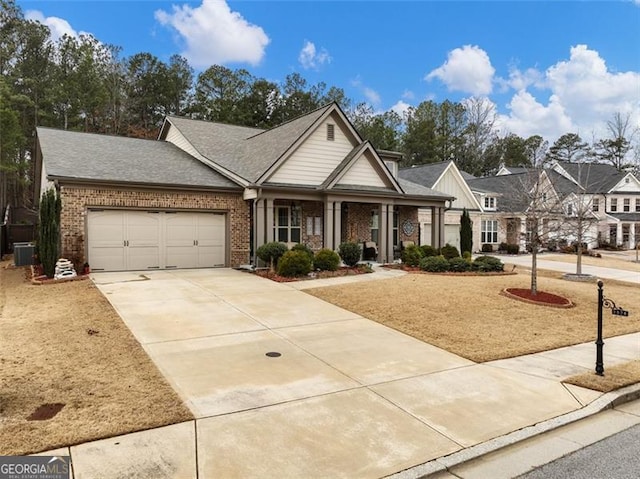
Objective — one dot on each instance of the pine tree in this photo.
(466, 232)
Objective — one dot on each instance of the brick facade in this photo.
(76, 200)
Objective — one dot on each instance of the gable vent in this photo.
(331, 132)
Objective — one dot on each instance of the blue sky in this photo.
(548, 67)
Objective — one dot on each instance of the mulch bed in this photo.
(542, 298)
(344, 271)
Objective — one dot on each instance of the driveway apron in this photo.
(283, 384)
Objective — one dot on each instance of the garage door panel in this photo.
(121, 240)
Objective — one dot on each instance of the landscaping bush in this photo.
(513, 248)
(459, 265)
(503, 246)
(487, 263)
(467, 255)
(449, 251)
(270, 253)
(49, 231)
(429, 250)
(350, 253)
(434, 264)
(304, 248)
(466, 232)
(487, 248)
(294, 263)
(326, 260)
(412, 255)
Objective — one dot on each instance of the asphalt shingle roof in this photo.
(89, 156)
(594, 177)
(413, 189)
(425, 175)
(247, 152)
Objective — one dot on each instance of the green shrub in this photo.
(503, 246)
(270, 253)
(294, 263)
(513, 248)
(467, 255)
(487, 263)
(487, 248)
(303, 247)
(466, 232)
(459, 265)
(449, 251)
(429, 250)
(350, 253)
(412, 255)
(434, 264)
(326, 260)
(49, 231)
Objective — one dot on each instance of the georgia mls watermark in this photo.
(34, 467)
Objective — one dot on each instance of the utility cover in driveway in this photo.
(121, 240)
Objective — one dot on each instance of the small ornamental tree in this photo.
(49, 231)
(271, 252)
(466, 232)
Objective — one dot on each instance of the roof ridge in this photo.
(292, 120)
(103, 135)
(210, 122)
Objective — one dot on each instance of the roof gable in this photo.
(362, 167)
(452, 182)
(628, 184)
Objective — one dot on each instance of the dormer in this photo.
(391, 160)
(490, 203)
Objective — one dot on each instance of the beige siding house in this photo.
(209, 194)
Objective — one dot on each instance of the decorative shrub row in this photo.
(440, 264)
(299, 261)
(413, 255)
(509, 248)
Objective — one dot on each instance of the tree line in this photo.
(82, 84)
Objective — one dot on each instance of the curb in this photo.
(443, 464)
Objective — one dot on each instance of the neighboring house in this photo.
(209, 194)
(446, 178)
(614, 197)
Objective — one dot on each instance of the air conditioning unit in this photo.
(23, 254)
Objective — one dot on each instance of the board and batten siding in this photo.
(454, 185)
(316, 158)
(363, 173)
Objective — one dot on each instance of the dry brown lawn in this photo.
(615, 377)
(64, 343)
(468, 316)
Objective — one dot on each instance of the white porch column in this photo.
(389, 251)
(269, 224)
(337, 224)
(328, 225)
(632, 235)
(619, 233)
(383, 234)
(435, 225)
(259, 231)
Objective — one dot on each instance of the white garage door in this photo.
(121, 240)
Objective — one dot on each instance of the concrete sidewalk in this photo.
(597, 271)
(283, 384)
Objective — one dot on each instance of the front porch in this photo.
(330, 221)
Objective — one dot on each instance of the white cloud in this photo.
(57, 26)
(467, 69)
(400, 108)
(584, 95)
(310, 58)
(409, 95)
(372, 96)
(213, 34)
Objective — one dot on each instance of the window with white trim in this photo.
(287, 224)
(595, 205)
(569, 209)
(614, 205)
(375, 226)
(396, 238)
(637, 204)
(489, 203)
(626, 205)
(489, 231)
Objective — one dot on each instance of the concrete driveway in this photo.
(341, 397)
